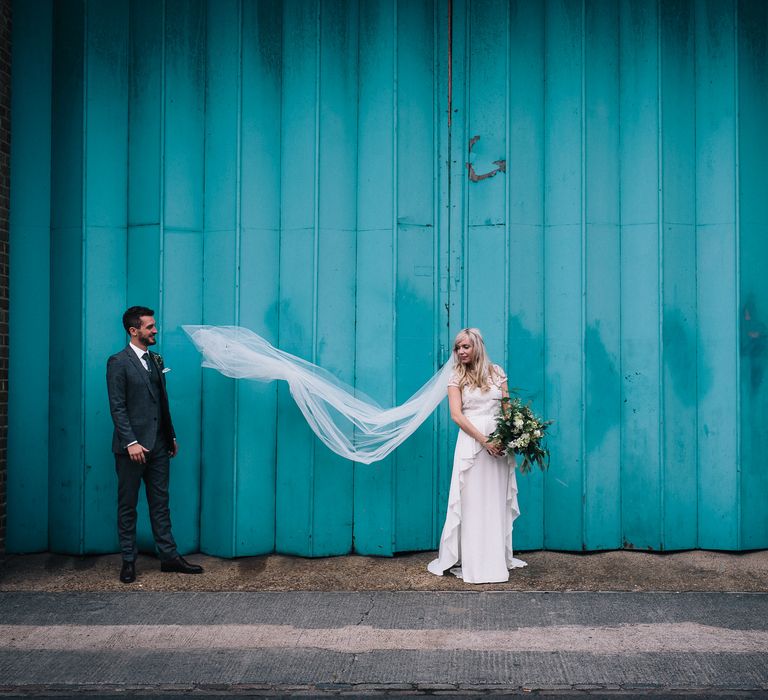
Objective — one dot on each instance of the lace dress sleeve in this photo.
(500, 376)
(453, 380)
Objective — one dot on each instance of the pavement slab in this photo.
(383, 642)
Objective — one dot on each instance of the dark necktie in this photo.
(147, 359)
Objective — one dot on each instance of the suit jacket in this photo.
(135, 403)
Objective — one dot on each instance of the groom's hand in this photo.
(174, 449)
(138, 453)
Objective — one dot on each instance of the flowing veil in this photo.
(348, 422)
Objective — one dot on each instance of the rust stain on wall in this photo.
(501, 165)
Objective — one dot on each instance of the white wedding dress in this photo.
(482, 502)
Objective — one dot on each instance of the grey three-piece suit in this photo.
(138, 403)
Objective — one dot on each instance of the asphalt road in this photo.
(367, 643)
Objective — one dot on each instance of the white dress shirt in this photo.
(140, 354)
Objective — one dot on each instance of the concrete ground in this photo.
(630, 624)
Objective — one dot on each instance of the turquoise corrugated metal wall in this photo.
(300, 168)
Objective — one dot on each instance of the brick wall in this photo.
(5, 194)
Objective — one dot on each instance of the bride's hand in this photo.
(493, 448)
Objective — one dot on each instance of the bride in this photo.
(482, 503)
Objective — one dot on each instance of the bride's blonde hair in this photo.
(479, 372)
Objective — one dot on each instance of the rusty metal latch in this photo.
(501, 165)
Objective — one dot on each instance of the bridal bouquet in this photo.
(520, 430)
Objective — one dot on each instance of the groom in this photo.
(143, 442)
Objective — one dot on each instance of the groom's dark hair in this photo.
(132, 316)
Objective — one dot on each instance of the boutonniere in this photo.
(160, 363)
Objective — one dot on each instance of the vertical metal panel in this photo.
(640, 336)
(458, 140)
(376, 194)
(418, 314)
(181, 249)
(678, 152)
(563, 260)
(30, 225)
(716, 237)
(525, 198)
(145, 134)
(442, 275)
(298, 268)
(221, 253)
(259, 267)
(602, 266)
(67, 175)
(335, 251)
(753, 302)
(104, 253)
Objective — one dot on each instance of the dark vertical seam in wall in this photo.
(543, 234)
(316, 185)
(448, 235)
(616, 86)
(695, 31)
(279, 247)
(51, 273)
(238, 246)
(583, 281)
(450, 64)
(356, 26)
(620, 159)
(315, 254)
(449, 158)
(161, 228)
(737, 257)
(393, 463)
(463, 263)
(128, 151)
(161, 217)
(507, 198)
(436, 272)
(204, 44)
(444, 237)
(660, 273)
(83, 270)
(357, 260)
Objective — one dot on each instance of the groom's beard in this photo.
(147, 340)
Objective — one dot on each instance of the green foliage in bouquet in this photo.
(520, 430)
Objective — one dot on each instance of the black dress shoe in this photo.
(128, 571)
(180, 565)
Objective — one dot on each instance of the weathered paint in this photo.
(358, 180)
